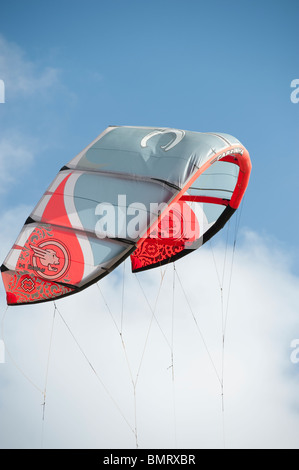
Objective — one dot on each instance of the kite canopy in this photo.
(156, 194)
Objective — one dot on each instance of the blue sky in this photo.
(204, 66)
(71, 68)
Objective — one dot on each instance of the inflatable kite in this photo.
(154, 194)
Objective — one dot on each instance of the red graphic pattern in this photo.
(24, 288)
(153, 252)
(45, 269)
(178, 229)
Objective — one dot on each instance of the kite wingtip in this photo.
(11, 299)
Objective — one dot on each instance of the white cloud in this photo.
(21, 75)
(16, 157)
(260, 381)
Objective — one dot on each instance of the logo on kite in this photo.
(177, 136)
(50, 259)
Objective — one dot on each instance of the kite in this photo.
(151, 194)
